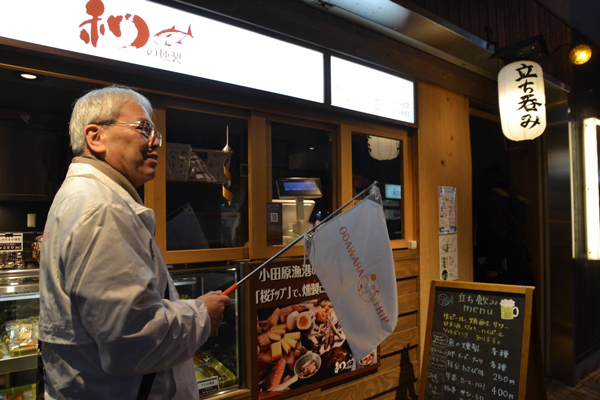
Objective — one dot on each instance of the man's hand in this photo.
(215, 303)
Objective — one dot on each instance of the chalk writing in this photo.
(475, 351)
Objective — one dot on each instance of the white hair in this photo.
(98, 106)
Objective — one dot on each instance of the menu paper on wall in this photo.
(448, 257)
(447, 209)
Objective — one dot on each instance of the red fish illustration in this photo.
(172, 36)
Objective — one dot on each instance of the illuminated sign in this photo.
(522, 100)
(152, 35)
(149, 34)
(393, 191)
(368, 90)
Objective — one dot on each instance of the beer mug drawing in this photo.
(508, 309)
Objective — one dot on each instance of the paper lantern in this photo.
(522, 100)
(383, 148)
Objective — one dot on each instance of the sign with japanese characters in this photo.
(477, 341)
(447, 210)
(150, 34)
(522, 99)
(299, 341)
(11, 242)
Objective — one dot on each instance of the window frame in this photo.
(409, 193)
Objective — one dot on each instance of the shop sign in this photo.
(152, 35)
(359, 88)
(299, 343)
(522, 100)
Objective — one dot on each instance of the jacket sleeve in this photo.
(116, 284)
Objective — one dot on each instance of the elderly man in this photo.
(111, 323)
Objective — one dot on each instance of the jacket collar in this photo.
(110, 172)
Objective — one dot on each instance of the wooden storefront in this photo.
(436, 153)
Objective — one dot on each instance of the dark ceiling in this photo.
(581, 15)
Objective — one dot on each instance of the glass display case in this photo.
(218, 363)
(19, 312)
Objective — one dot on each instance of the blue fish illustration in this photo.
(171, 36)
(444, 299)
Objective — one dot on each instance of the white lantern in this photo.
(522, 100)
(383, 148)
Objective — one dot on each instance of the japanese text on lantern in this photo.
(529, 103)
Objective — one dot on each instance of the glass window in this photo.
(380, 159)
(206, 208)
(301, 152)
(220, 355)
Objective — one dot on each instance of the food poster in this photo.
(299, 342)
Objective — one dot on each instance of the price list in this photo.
(475, 345)
(10, 242)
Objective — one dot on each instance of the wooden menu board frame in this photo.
(459, 324)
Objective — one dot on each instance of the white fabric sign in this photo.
(352, 256)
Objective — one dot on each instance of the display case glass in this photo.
(206, 180)
(218, 362)
(19, 312)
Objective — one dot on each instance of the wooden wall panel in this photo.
(444, 144)
(400, 340)
(406, 268)
(398, 379)
(406, 321)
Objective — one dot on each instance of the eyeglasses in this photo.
(146, 128)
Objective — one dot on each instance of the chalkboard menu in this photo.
(477, 341)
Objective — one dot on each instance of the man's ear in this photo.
(95, 140)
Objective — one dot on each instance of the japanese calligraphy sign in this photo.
(299, 341)
(477, 341)
(522, 100)
(149, 34)
(11, 242)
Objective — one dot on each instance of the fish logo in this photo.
(369, 288)
(171, 36)
(444, 299)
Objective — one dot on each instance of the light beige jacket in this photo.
(103, 320)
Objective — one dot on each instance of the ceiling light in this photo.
(27, 76)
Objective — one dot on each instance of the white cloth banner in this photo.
(352, 256)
